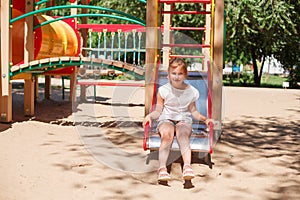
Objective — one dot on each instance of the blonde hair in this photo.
(178, 62)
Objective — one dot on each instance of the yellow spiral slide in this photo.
(56, 39)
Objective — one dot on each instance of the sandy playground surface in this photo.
(94, 150)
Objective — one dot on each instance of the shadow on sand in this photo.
(258, 138)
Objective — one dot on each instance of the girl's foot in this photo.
(188, 172)
(163, 174)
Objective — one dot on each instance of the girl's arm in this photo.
(197, 115)
(156, 113)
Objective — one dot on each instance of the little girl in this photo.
(174, 110)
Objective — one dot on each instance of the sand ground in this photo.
(94, 150)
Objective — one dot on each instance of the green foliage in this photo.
(294, 77)
(125, 77)
(238, 79)
(289, 47)
(257, 29)
(246, 79)
(188, 20)
(135, 8)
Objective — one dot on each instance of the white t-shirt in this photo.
(176, 102)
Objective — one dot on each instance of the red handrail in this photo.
(146, 136)
(147, 127)
(209, 105)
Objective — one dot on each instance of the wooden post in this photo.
(29, 96)
(36, 88)
(47, 86)
(151, 51)
(217, 74)
(6, 105)
(84, 33)
(5, 60)
(207, 41)
(47, 89)
(73, 78)
(166, 36)
(74, 10)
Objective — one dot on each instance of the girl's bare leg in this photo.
(166, 131)
(183, 133)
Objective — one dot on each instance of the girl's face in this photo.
(177, 75)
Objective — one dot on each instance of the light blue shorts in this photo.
(187, 122)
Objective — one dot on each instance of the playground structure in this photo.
(34, 44)
(208, 79)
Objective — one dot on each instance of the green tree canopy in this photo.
(257, 29)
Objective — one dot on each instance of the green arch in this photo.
(49, 66)
(88, 15)
(76, 6)
(41, 2)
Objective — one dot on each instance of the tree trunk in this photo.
(261, 69)
(255, 68)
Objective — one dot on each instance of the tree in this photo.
(135, 8)
(288, 52)
(257, 29)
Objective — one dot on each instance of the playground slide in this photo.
(200, 138)
(56, 39)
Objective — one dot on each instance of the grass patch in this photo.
(247, 80)
(273, 81)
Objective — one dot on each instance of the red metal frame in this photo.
(186, 12)
(188, 45)
(209, 109)
(101, 83)
(129, 27)
(147, 128)
(185, 1)
(146, 136)
(112, 27)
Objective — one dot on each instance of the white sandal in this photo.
(188, 172)
(163, 174)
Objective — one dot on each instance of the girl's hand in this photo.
(208, 121)
(146, 120)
